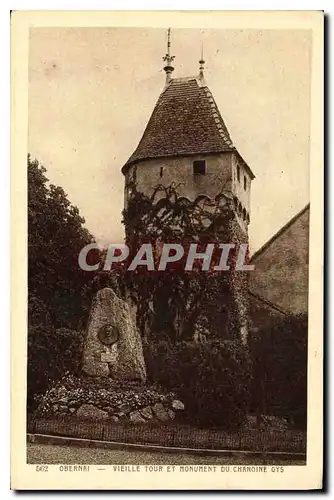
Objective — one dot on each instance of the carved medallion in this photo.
(108, 334)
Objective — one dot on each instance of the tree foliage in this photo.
(212, 379)
(280, 368)
(57, 287)
(55, 237)
(193, 298)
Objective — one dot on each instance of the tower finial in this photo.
(201, 63)
(169, 59)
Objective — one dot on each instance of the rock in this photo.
(272, 422)
(114, 418)
(55, 408)
(177, 405)
(123, 408)
(63, 408)
(120, 415)
(136, 418)
(171, 414)
(251, 421)
(108, 409)
(72, 410)
(160, 412)
(113, 346)
(147, 413)
(91, 412)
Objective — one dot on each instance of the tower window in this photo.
(238, 173)
(245, 183)
(199, 167)
(161, 171)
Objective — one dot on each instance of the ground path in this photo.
(60, 454)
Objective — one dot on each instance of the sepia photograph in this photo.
(167, 220)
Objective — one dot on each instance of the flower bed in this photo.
(105, 399)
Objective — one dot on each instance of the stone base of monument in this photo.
(93, 398)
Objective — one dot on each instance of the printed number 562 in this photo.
(41, 468)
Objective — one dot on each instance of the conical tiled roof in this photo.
(185, 121)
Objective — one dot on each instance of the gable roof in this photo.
(268, 303)
(185, 121)
(279, 232)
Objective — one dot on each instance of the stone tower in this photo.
(186, 143)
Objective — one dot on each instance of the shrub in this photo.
(51, 353)
(212, 379)
(280, 369)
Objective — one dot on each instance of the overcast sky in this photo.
(92, 90)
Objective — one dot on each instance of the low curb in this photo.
(113, 445)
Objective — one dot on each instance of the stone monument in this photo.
(113, 359)
(113, 346)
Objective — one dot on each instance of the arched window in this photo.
(238, 173)
(245, 182)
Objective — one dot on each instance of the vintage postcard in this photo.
(167, 215)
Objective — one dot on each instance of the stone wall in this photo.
(221, 174)
(281, 267)
(238, 189)
(239, 284)
(96, 399)
(179, 170)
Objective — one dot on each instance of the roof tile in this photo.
(185, 120)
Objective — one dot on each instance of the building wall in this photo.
(281, 268)
(221, 175)
(229, 311)
(262, 315)
(238, 187)
(148, 174)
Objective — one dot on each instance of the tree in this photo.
(55, 237)
(57, 288)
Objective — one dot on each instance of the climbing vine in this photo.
(179, 304)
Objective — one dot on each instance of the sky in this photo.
(92, 91)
